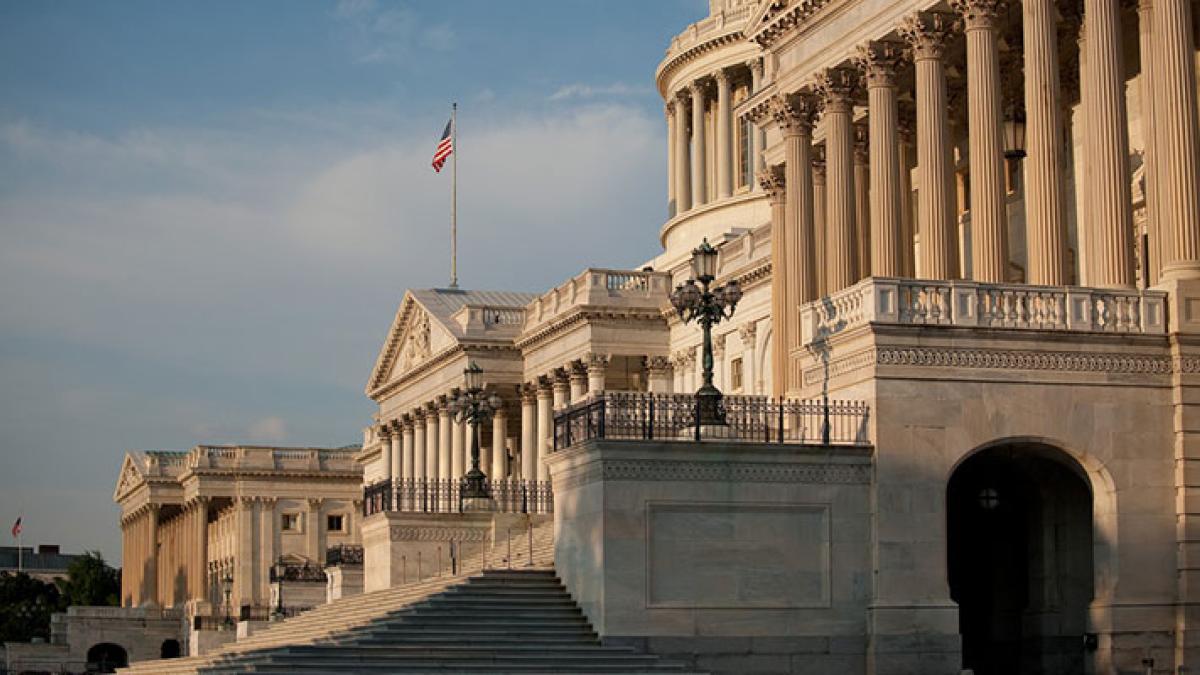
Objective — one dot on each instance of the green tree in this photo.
(25, 607)
(90, 582)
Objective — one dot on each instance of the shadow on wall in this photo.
(106, 657)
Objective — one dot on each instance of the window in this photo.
(735, 374)
(290, 522)
(334, 523)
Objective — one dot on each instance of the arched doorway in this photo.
(106, 657)
(169, 649)
(1019, 530)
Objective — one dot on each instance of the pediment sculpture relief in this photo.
(416, 343)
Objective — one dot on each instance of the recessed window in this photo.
(290, 522)
(735, 374)
(334, 523)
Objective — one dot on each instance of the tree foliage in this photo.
(26, 603)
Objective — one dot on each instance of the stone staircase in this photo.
(504, 611)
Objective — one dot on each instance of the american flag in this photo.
(444, 147)
(16, 530)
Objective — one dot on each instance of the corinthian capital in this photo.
(771, 180)
(928, 33)
(797, 113)
(879, 61)
(979, 13)
(839, 87)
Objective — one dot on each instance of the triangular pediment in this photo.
(130, 477)
(415, 337)
(763, 16)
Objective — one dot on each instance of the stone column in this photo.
(431, 442)
(699, 159)
(1045, 225)
(1107, 149)
(748, 333)
(458, 448)
(384, 434)
(499, 468)
(723, 137)
(862, 201)
(879, 61)
(837, 85)
(1147, 95)
(658, 374)
(126, 561)
(445, 434)
(597, 370)
(795, 119)
(1175, 122)
(561, 388)
(820, 251)
(244, 556)
(545, 427)
(151, 564)
(266, 545)
(578, 378)
(200, 550)
(906, 151)
(683, 157)
(396, 429)
(312, 531)
(756, 134)
(928, 32)
(407, 463)
(529, 432)
(773, 182)
(672, 205)
(989, 215)
(420, 471)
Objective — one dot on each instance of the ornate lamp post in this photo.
(280, 572)
(475, 406)
(227, 587)
(709, 307)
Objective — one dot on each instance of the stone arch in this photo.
(1104, 501)
(106, 657)
(169, 649)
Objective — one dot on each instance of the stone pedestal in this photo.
(343, 581)
(400, 548)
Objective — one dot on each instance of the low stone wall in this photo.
(401, 547)
(732, 557)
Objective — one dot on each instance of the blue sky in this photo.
(209, 211)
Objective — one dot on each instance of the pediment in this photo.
(763, 16)
(415, 337)
(129, 478)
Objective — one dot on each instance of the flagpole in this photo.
(454, 195)
(20, 551)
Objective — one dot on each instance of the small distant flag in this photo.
(444, 147)
(16, 528)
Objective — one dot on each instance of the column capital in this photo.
(383, 431)
(315, 502)
(839, 87)
(683, 96)
(576, 371)
(696, 89)
(796, 114)
(747, 332)
(595, 361)
(756, 66)
(528, 392)
(545, 387)
(927, 33)
(979, 14)
(718, 344)
(879, 60)
(772, 181)
(406, 423)
(721, 76)
(658, 364)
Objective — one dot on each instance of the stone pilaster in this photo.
(313, 550)
(879, 61)
(1045, 225)
(837, 87)
(445, 434)
(1151, 158)
(699, 158)
(774, 184)
(396, 429)
(1107, 148)
(862, 200)
(724, 136)
(420, 427)
(1175, 122)
(384, 435)
(906, 152)
(683, 157)
(578, 379)
(459, 431)
(756, 140)
(431, 442)
(658, 374)
(748, 333)
(408, 464)
(150, 584)
(989, 215)
(928, 33)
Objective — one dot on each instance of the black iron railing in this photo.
(301, 572)
(430, 495)
(674, 417)
(344, 554)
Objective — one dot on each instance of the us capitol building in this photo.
(960, 423)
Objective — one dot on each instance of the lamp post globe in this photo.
(707, 307)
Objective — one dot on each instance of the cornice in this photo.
(778, 19)
(730, 32)
(580, 315)
(387, 356)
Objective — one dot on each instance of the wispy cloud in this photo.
(389, 34)
(587, 91)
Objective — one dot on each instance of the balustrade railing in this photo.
(431, 495)
(674, 417)
(921, 302)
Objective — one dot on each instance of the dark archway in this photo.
(1019, 529)
(106, 657)
(169, 649)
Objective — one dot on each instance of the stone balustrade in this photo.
(224, 457)
(920, 302)
(601, 288)
(481, 318)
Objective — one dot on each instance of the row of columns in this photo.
(687, 144)
(832, 230)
